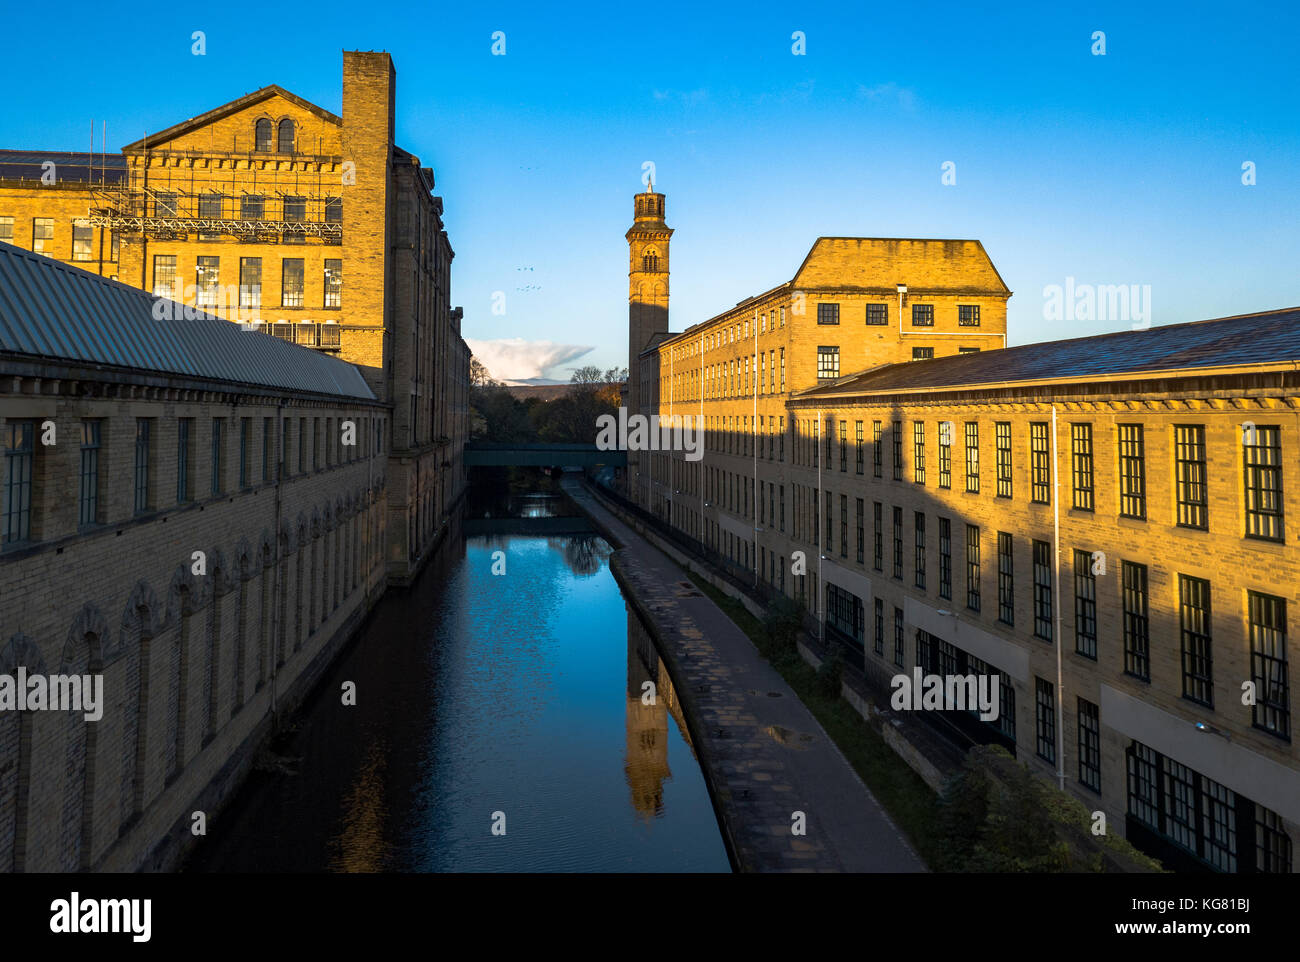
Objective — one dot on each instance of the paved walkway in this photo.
(764, 754)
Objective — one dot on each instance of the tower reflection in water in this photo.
(646, 766)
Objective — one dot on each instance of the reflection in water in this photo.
(584, 554)
(647, 765)
(480, 693)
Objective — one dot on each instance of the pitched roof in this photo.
(248, 100)
(69, 166)
(882, 263)
(52, 311)
(1246, 339)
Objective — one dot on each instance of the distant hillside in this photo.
(547, 392)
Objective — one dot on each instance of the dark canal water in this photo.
(481, 693)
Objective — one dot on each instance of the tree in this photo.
(478, 374)
(587, 378)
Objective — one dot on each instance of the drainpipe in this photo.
(753, 430)
(1056, 607)
(702, 442)
(818, 539)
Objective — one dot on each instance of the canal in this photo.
(501, 724)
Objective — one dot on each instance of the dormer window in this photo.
(262, 135)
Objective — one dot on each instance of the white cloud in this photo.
(514, 359)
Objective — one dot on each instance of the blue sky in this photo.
(1116, 169)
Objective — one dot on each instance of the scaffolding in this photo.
(238, 206)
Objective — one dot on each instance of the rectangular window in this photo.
(783, 354)
(295, 212)
(828, 362)
(1132, 472)
(844, 525)
(291, 282)
(878, 542)
(207, 281)
(89, 499)
(7, 229)
(923, 315)
(1006, 580)
(245, 430)
(877, 314)
(1085, 606)
(880, 627)
(164, 277)
(828, 313)
(19, 454)
(896, 435)
(302, 445)
(82, 239)
(918, 452)
(1272, 844)
(142, 498)
(861, 520)
(209, 209)
(252, 207)
(858, 441)
(216, 455)
(844, 445)
(43, 235)
(1190, 476)
(898, 543)
(877, 455)
(184, 470)
(268, 443)
(973, 456)
(945, 454)
(1262, 455)
(1194, 624)
(333, 282)
(1040, 470)
(922, 353)
(165, 204)
(250, 282)
(1137, 639)
(919, 521)
(830, 531)
(899, 642)
(1045, 706)
(968, 315)
(333, 210)
(1081, 465)
(945, 558)
(973, 567)
(1043, 590)
(1089, 745)
(1272, 710)
(1002, 437)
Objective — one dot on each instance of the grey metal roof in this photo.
(1262, 338)
(69, 166)
(52, 311)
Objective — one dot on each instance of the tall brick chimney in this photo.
(369, 91)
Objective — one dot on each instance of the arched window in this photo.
(262, 135)
(286, 136)
(650, 260)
